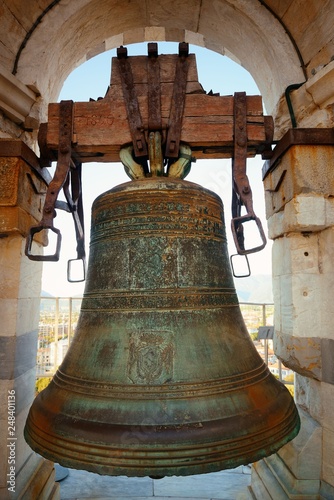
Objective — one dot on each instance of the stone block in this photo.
(20, 187)
(17, 355)
(276, 286)
(308, 395)
(327, 359)
(327, 395)
(23, 450)
(27, 315)
(320, 86)
(18, 316)
(326, 251)
(303, 355)
(304, 213)
(304, 308)
(8, 314)
(264, 484)
(25, 390)
(296, 254)
(30, 278)
(326, 491)
(304, 169)
(19, 276)
(303, 455)
(36, 480)
(328, 456)
(294, 488)
(10, 257)
(4, 456)
(5, 386)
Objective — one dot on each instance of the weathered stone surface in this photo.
(304, 169)
(327, 360)
(303, 455)
(303, 283)
(22, 194)
(17, 355)
(295, 471)
(308, 395)
(304, 214)
(19, 277)
(302, 355)
(326, 491)
(327, 396)
(328, 454)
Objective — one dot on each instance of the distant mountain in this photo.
(255, 288)
(46, 294)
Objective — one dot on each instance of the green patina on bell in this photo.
(162, 377)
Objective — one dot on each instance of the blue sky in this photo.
(91, 80)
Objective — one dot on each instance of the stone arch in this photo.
(279, 43)
(246, 32)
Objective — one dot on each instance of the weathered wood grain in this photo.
(101, 127)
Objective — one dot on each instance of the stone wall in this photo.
(23, 474)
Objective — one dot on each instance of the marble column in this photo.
(299, 190)
(23, 473)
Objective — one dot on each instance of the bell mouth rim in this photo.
(137, 459)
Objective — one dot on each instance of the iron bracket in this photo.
(131, 103)
(68, 173)
(177, 105)
(241, 190)
(154, 89)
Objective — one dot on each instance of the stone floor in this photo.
(224, 485)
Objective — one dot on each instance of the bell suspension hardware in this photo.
(132, 106)
(241, 190)
(159, 124)
(67, 177)
(177, 104)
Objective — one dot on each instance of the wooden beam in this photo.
(101, 127)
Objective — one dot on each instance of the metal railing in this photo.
(59, 316)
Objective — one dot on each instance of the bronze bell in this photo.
(162, 377)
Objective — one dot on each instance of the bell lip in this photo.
(158, 183)
(174, 468)
(181, 457)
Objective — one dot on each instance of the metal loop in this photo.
(232, 267)
(43, 258)
(236, 223)
(69, 270)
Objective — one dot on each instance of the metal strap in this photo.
(131, 103)
(64, 178)
(58, 181)
(154, 89)
(241, 191)
(177, 104)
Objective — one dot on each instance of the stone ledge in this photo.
(309, 212)
(309, 356)
(303, 170)
(16, 99)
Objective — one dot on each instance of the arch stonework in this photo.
(280, 44)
